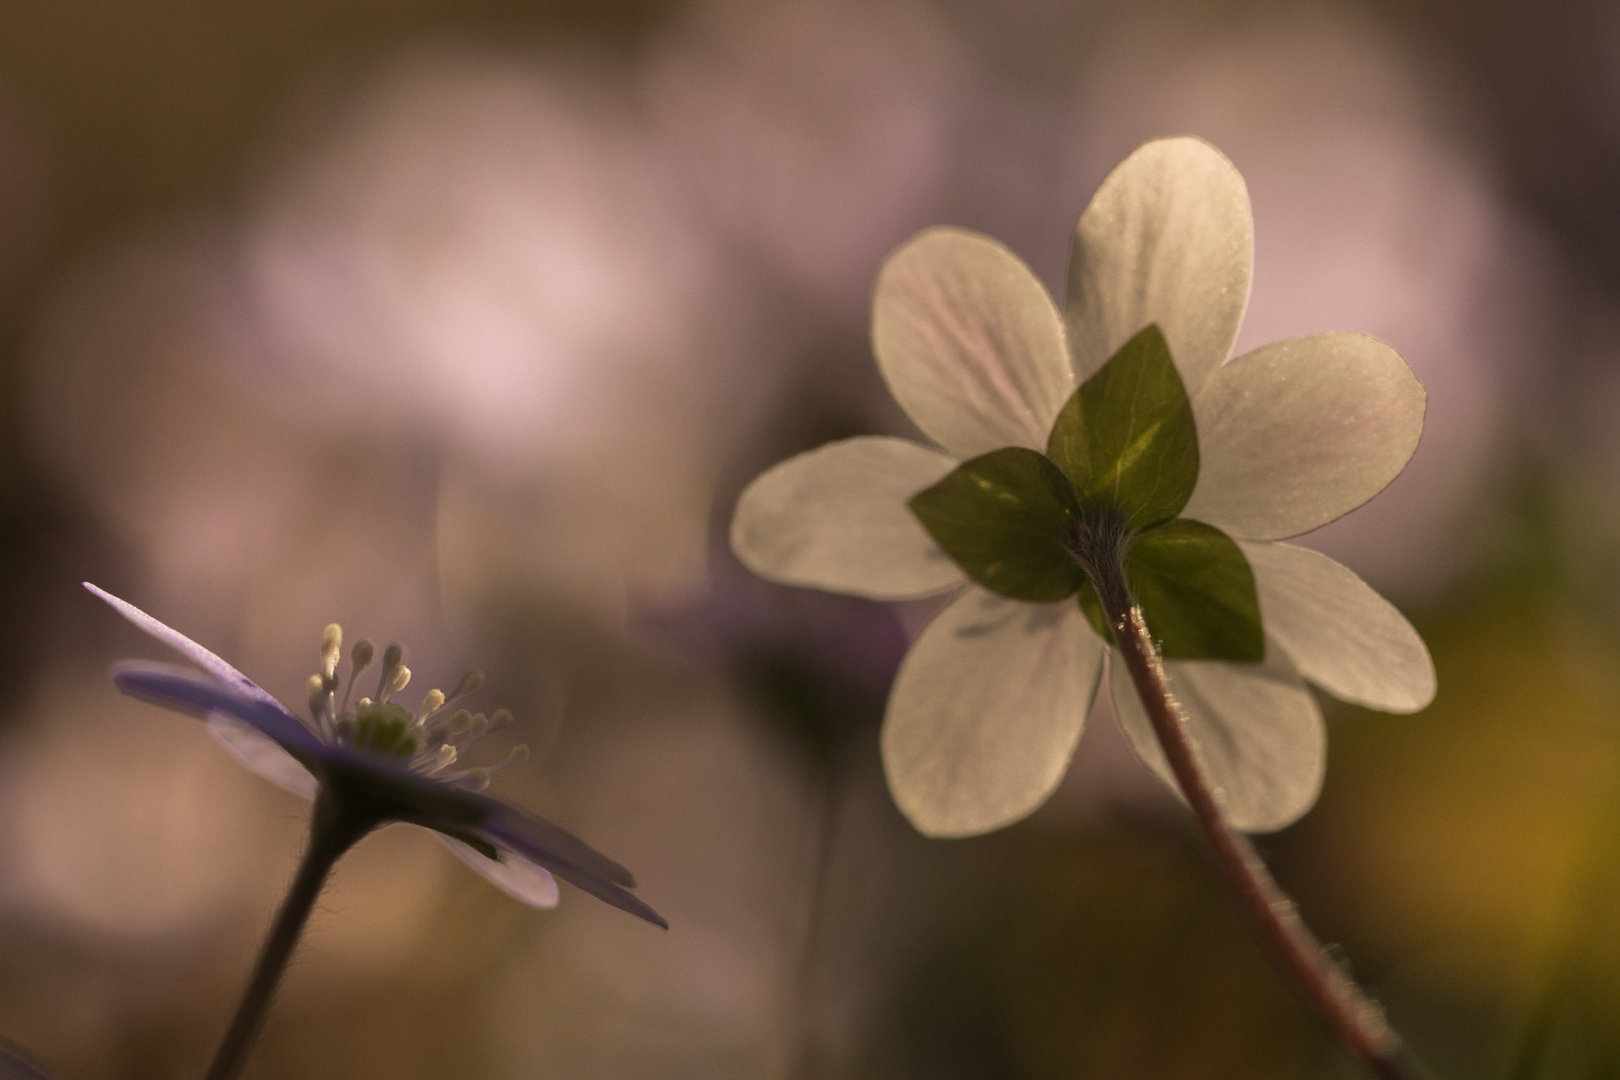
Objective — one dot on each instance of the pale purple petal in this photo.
(560, 852)
(183, 645)
(598, 887)
(188, 692)
(16, 1065)
(261, 754)
(457, 812)
(535, 833)
(514, 875)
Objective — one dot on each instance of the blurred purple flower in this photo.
(818, 663)
(17, 1065)
(381, 756)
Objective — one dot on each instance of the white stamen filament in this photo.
(359, 659)
(393, 657)
(477, 779)
(432, 762)
(318, 704)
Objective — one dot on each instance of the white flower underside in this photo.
(989, 703)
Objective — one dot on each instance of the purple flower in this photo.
(15, 1064)
(383, 760)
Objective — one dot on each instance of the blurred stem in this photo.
(1352, 1018)
(333, 830)
(830, 789)
(1573, 955)
(1538, 1034)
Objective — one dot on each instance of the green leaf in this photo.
(1091, 607)
(1197, 593)
(1008, 518)
(1126, 438)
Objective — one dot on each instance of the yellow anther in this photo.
(432, 702)
(402, 677)
(317, 695)
(331, 648)
(438, 760)
(518, 754)
(501, 719)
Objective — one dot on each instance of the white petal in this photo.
(1295, 434)
(986, 711)
(1340, 634)
(514, 875)
(1168, 238)
(1256, 728)
(261, 754)
(836, 518)
(970, 343)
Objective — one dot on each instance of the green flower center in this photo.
(385, 728)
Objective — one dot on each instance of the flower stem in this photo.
(333, 830)
(806, 1049)
(1353, 1018)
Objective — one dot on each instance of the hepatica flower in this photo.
(1108, 437)
(379, 760)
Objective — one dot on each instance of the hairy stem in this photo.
(333, 830)
(1348, 1014)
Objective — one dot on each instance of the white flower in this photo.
(395, 764)
(988, 705)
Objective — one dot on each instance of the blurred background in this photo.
(463, 324)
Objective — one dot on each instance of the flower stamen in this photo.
(359, 659)
(477, 779)
(393, 657)
(432, 702)
(428, 741)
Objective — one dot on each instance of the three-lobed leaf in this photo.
(1197, 593)
(1125, 444)
(1126, 438)
(1008, 518)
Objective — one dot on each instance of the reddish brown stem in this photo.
(1353, 1018)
